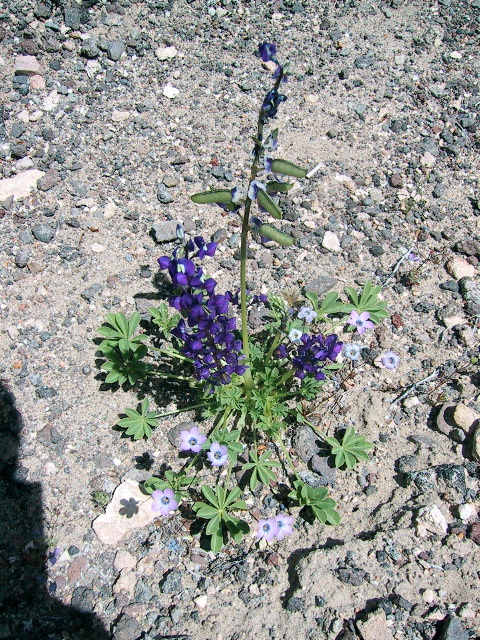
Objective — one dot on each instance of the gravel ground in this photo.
(111, 114)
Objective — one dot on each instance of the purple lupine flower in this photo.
(192, 440)
(278, 71)
(254, 188)
(267, 51)
(413, 257)
(218, 454)
(54, 555)
(271, 141)
(361, 321)
(352, 351)
(164, 501)
(267, 529)
(307, 314)
(271, 103)
(267, 163)
(312, 352)
(390, 360)
(285, 526)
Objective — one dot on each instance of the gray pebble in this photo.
(165, 231)
(89, 293)
(364, 62)
(320, 285)
(49, 180)
(453, 629)
(115, 50)
(305, 442)
(89, 49)
(83, 598)
(319, 464)
(43, 232)
(22, 257)
(172, 583)
(163, 194)
(18, 128)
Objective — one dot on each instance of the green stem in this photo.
(287, 456)
(316, 429)
(189, 408)
(172, 354)
(276, 341)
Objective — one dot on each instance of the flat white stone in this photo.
(97, 248)
(166, 53)
(26, 65)
(460, 268)
(111, 526)
(431, 519)
(110, 210)
(51, 101)
(170, 92)
(330, 241)
(120, 116)
(467, 511)
(20, 185)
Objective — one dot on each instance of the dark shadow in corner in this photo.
(27, 611)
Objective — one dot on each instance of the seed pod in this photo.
(219, 196)
(283, 239)
(286, 168)
(265, 201)
(274, 186)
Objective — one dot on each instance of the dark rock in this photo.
(43, 10)
(295, 604)
(91, 291)
(451, 482)
(450, 285)
(424, 480)
(83, 598)
(364, 62)
(453, 629)
(396, 180)
(127, 629)
(471, 294)
(163, 194)
(352, 575)
(312, 479)
(320, 465)
(89, 49)
(18, 150)
(438, 190)
(305, 442)
(115, 50)
(43, 232)
(424, 307)
(401, 602)
(320, 285)
(18, 128)
(475, 533)
(49, 180)
(467, 246)
(22, 257)
(376, 250)
(172, 583)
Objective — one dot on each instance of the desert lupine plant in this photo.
(254, 387)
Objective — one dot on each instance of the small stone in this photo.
(166, 53)
(48, 180)
(411, 402)
(21, 185)
(312, 98)
(427, 160)
(172, 582)
(163, 194)
(110, 210)
(305, 442)
(396, 180)
(124, 560)
(165, 231)
(450, 316)
(476, 444)
(51, 101)
(170, 181)
(83, 599)
(111, 526)
(331, 242)
(98, 248)
(456, 55)
(37, 82)
(295, 604)
(115, 50)
(428, 596)
(453, 629)
(89, 49)
(364, 62)
(170, 92)
(431, 519)
(201, 602)
(445, 422)
(348, 182)
(43, 232)
(375, 626)
(464, 416)
(459, 268)
(120, 116)
(22, 257)
(26, 65)
(467, 511)
(320, 465)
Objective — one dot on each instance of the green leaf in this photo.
(222, 196)
(286, 168)
(253, 480)
(265, 201)
(214, 524)
(281, 238)
(352, 449)
(216, 541)
(210, 496)
(207, 512)
(233, 495)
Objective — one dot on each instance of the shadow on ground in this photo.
(27, 610)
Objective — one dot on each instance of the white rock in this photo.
(431, 519)
(166, 53)
(24, 163)
(124, 560)
(20, 185)
(120, 116)
(13, 332)
(51, 101)
(467, 511)
(23, 116)
(410, 402)
(110, 210)
(201, 602)
(476, 444)
(169, 91)
(400, 60)
(312, 98)
(428, 596)
(93, 67)
(467, 611)
(347, 182)
(460, 268)
(98, 248)
(37, 82)
(464, 416)
(427, 160)
(126, 581)
(456, 55)
(36, 115)
(26, 65)
(110, 527)
(330, 241)
(375, 627)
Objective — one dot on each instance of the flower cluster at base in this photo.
(278, 527)
(206, 329)
(309, 353)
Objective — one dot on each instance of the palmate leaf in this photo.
(351, 450)
(139, 424)
(322, 507)
(218, 514)
(368, 301)
(261, 468)
(120, 329)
